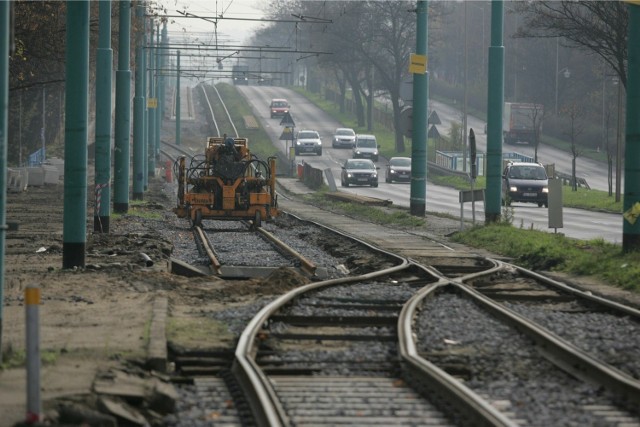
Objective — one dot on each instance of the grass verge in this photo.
(540, 250)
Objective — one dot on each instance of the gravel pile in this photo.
(500, 364)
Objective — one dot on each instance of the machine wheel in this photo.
(346, 183)
(374, 184)
(388, 180)
(197, 221)
(257, 220)
(320, 152)
(540, 204)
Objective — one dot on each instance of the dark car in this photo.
(278, 107)
(343, 137)
(359, 172)
(398, 169)
(525, 182)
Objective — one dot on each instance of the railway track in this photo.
(427, 335)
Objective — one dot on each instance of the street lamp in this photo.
(566, 73)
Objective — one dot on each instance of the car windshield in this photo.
(279, 104)
(527, 172)
(367, 143)
(345, 132)
(400, 162)
(308, 135)
(359, 164)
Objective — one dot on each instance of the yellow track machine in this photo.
(228, 183)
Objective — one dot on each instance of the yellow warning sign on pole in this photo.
(417, 64)
(152, 102)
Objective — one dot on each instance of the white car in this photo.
(366, 147)
(308, 141)
(343, 138)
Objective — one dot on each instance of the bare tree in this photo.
(537, 116)
(575, 113)
(597, 26)
(610, 148)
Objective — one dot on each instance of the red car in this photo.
(279, 107)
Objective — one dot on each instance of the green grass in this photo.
(385, 216)
(140, 209)
(540, 250)
(15, 359)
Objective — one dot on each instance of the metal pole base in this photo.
(630, 242)
(73, 255)
(491, 218)
(121, 207)
(137, 196)
(417, 209)
(101, 224)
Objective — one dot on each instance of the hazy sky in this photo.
(233, 31)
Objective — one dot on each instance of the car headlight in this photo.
(513, 189)
(545, 189)
(374, 175)
(392, 171)
(349, 175)
(319, 142)
(375, 153)
(357, 151)
(297, 142)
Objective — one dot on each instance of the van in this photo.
(365, 147)
(525, 182)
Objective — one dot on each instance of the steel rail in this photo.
(213, 117)
(560, 352)
(206, 245)
(262, 397)
(305, 264)
(224, 106)
(473, 407)
(563, 354)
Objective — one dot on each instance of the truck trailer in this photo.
(519, 121)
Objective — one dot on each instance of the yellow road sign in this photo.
(152, 102)
(418, 64)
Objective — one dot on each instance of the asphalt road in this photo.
(577, 223)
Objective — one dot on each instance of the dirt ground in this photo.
(96, 319)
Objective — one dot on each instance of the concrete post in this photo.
(104, 67)
(151, 141)
(75, 135)
(4, 126)
(631, 202)
(123, 113)
(418, 192)
(138, 114)
(495, 105)
(178, 100)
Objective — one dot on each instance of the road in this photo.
(577, 223)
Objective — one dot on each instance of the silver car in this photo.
(343, 138)
(308, 141)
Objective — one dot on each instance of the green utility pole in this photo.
(123, 113)
(418, 196)
(104, 67)
(75, 135)
(4, 126)
(151, 141)
(631, 202)
(163, 80)
(178, 100)
(495, 105)
(138, 114)
(158, 109)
